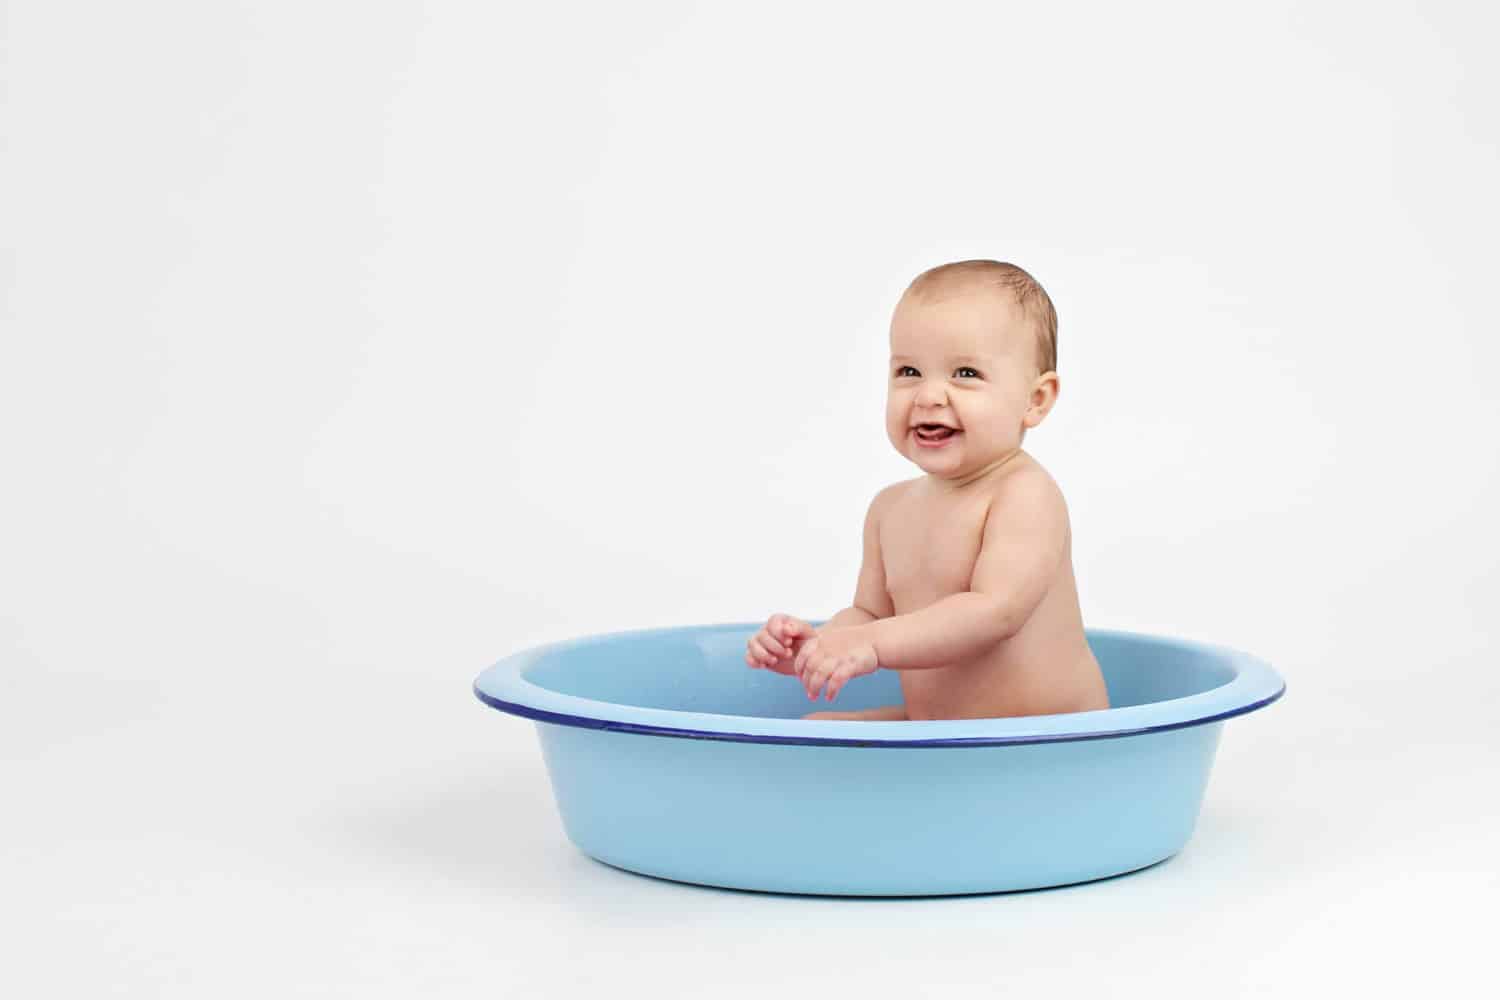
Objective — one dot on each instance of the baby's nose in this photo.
(930, 393)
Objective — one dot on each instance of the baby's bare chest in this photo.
(929, 550)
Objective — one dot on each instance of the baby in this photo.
(967, 584)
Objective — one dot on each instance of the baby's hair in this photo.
(1035, 304)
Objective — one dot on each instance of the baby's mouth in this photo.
(935, 432)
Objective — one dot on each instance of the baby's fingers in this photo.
(793, 629)
(814, 677)
(784, 629)
(758, 653)
(836, 684)
(818, 685)
(802, 656)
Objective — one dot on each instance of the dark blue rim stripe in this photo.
(540, 715)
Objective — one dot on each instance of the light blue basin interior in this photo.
(706, 672)
(693, 681)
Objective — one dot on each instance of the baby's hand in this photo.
(777, 643)
(834, 658)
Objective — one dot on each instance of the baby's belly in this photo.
(1005, 683)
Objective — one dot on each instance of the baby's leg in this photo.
(886, 713)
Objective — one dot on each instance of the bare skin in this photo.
(967, 584)
(930, 541)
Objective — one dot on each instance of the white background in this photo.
(350, 347)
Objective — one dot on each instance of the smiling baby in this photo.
(966, 586)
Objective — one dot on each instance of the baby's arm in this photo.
(846, 618)
(1025, 536)
(871, 601)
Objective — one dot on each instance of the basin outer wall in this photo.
(878, 821)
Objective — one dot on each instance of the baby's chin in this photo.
(955, 459)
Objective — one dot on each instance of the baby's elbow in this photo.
(1005, 617)
(1007, 625)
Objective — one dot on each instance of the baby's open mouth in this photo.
(934, 432)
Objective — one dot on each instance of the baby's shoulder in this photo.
(1028, 488)
(893, 494)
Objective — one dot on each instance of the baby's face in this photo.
(967, 360)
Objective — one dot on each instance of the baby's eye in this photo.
(905, 368)
(966, 368)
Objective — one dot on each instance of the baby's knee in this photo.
(888, 713)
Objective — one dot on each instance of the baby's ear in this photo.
(1043, 397)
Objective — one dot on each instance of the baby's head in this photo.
(973, 346)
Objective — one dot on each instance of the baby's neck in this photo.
(968, 481)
